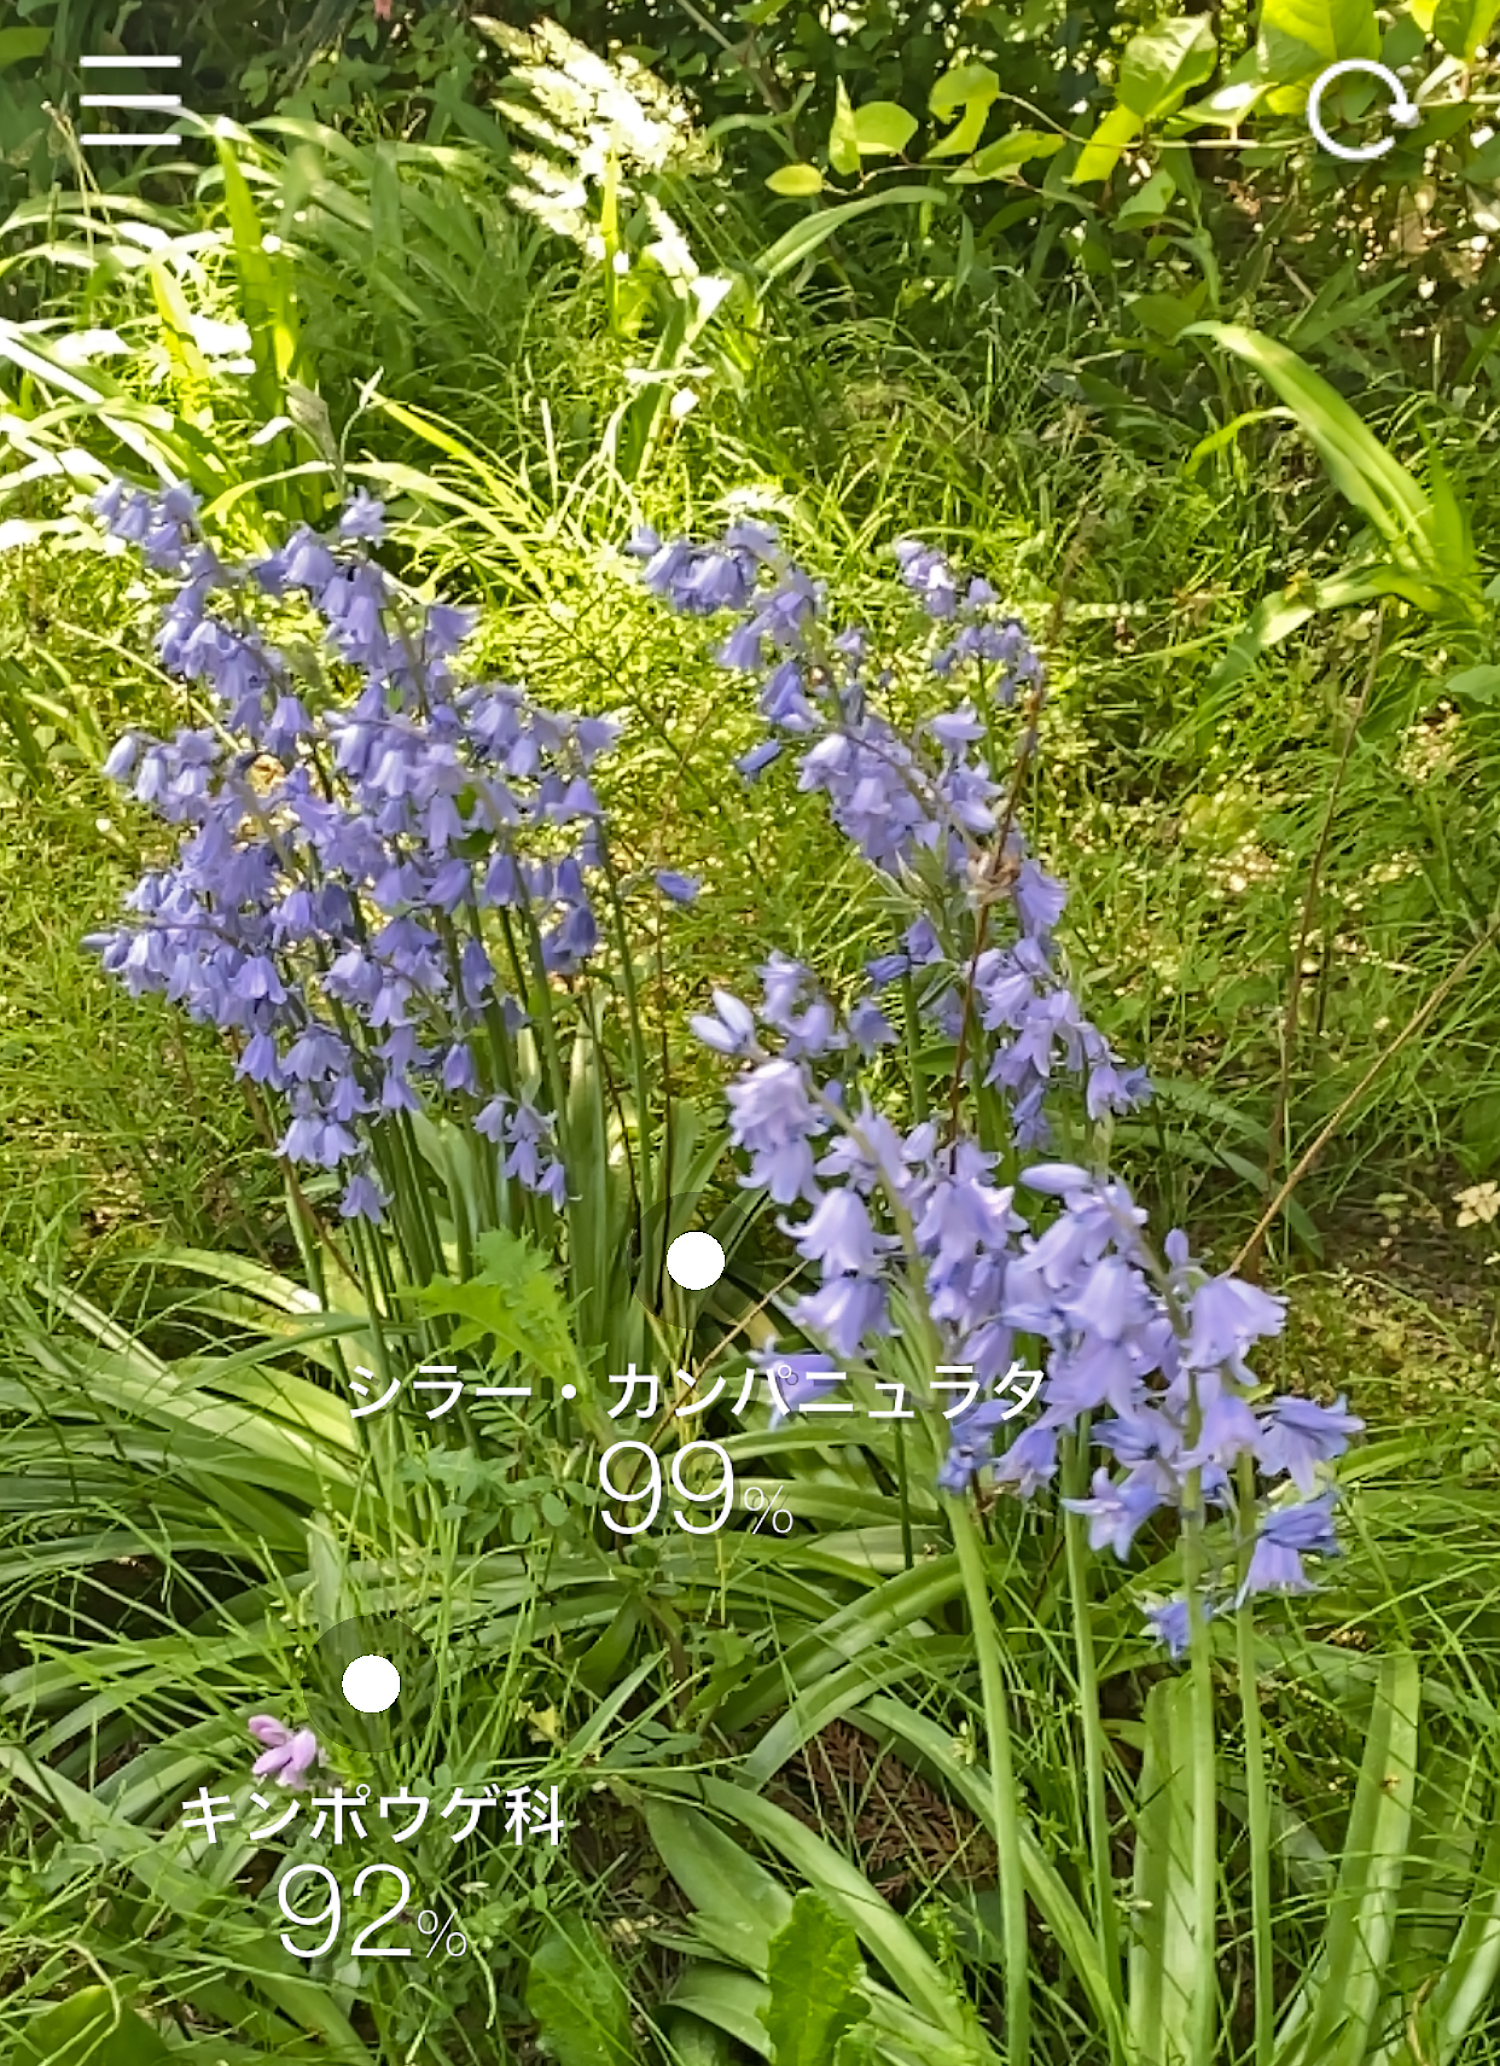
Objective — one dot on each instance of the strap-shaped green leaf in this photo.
(1331, 2018)
(1164, 1961)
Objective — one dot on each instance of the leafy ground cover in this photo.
(919, 1778)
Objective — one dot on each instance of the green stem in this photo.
(1106, 1916)
(541, 995)
(904, 1494)
(1257, 1793)
(637, 1039)
(1203, 2000)
(914, 1051)
(1013, 1941)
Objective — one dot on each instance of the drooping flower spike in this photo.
(1146, 1353)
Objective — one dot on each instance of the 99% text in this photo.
(429, 1925)
(720, 1493)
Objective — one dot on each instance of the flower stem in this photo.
(1257, 1796)
(1014, 1948)
(1106, 1920)
(1203, 1983)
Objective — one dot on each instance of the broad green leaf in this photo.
(16, 45)
(813, 1972)
(1149, 202)
(888, 1937)
(91, 2028)
(694, 2042)
(961, 86)
(1300, 38)
(797, 181)
(883, 129)
(1463, 26)
(1161, 65)
(1476, 685)
(964, 136)
(1004, 158)
(843, 138)
(575, 1992)
(1466, 1987)
(1163, 315)
(1101, 154)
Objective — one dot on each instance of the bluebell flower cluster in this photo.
(1143, 1354)
(370, 849)
(925, 810)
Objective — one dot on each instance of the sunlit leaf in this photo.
(796, 181)
(1161, 65)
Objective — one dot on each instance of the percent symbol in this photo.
(755, 1503)
(456, 1944)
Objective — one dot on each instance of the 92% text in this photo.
(332, 1913)
(455, 1944)
(755, 1503)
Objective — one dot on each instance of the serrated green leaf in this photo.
(514, 1297)
(575, 1992)
(797, 182)
(1160, 65)
(814, 1972)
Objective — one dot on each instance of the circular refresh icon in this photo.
(1404, 113)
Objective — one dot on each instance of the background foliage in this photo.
(1219, 412)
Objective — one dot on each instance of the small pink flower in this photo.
(382, 10)
(290, 1754)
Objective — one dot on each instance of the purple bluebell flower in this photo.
(731, 1028)
(1285, 1535)
(797, 1379)
(1227, 1316)
(758, 759)
(847, 1313)
(363, 517)
(363, 1199)
(1299, 1435)
(1168, 1622)
(681, 889)
(840, 1237)
(290, 1754)
(1116, 1512)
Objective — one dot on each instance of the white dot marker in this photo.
(570, 1391)
(695, 1261)
(371, 1684)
